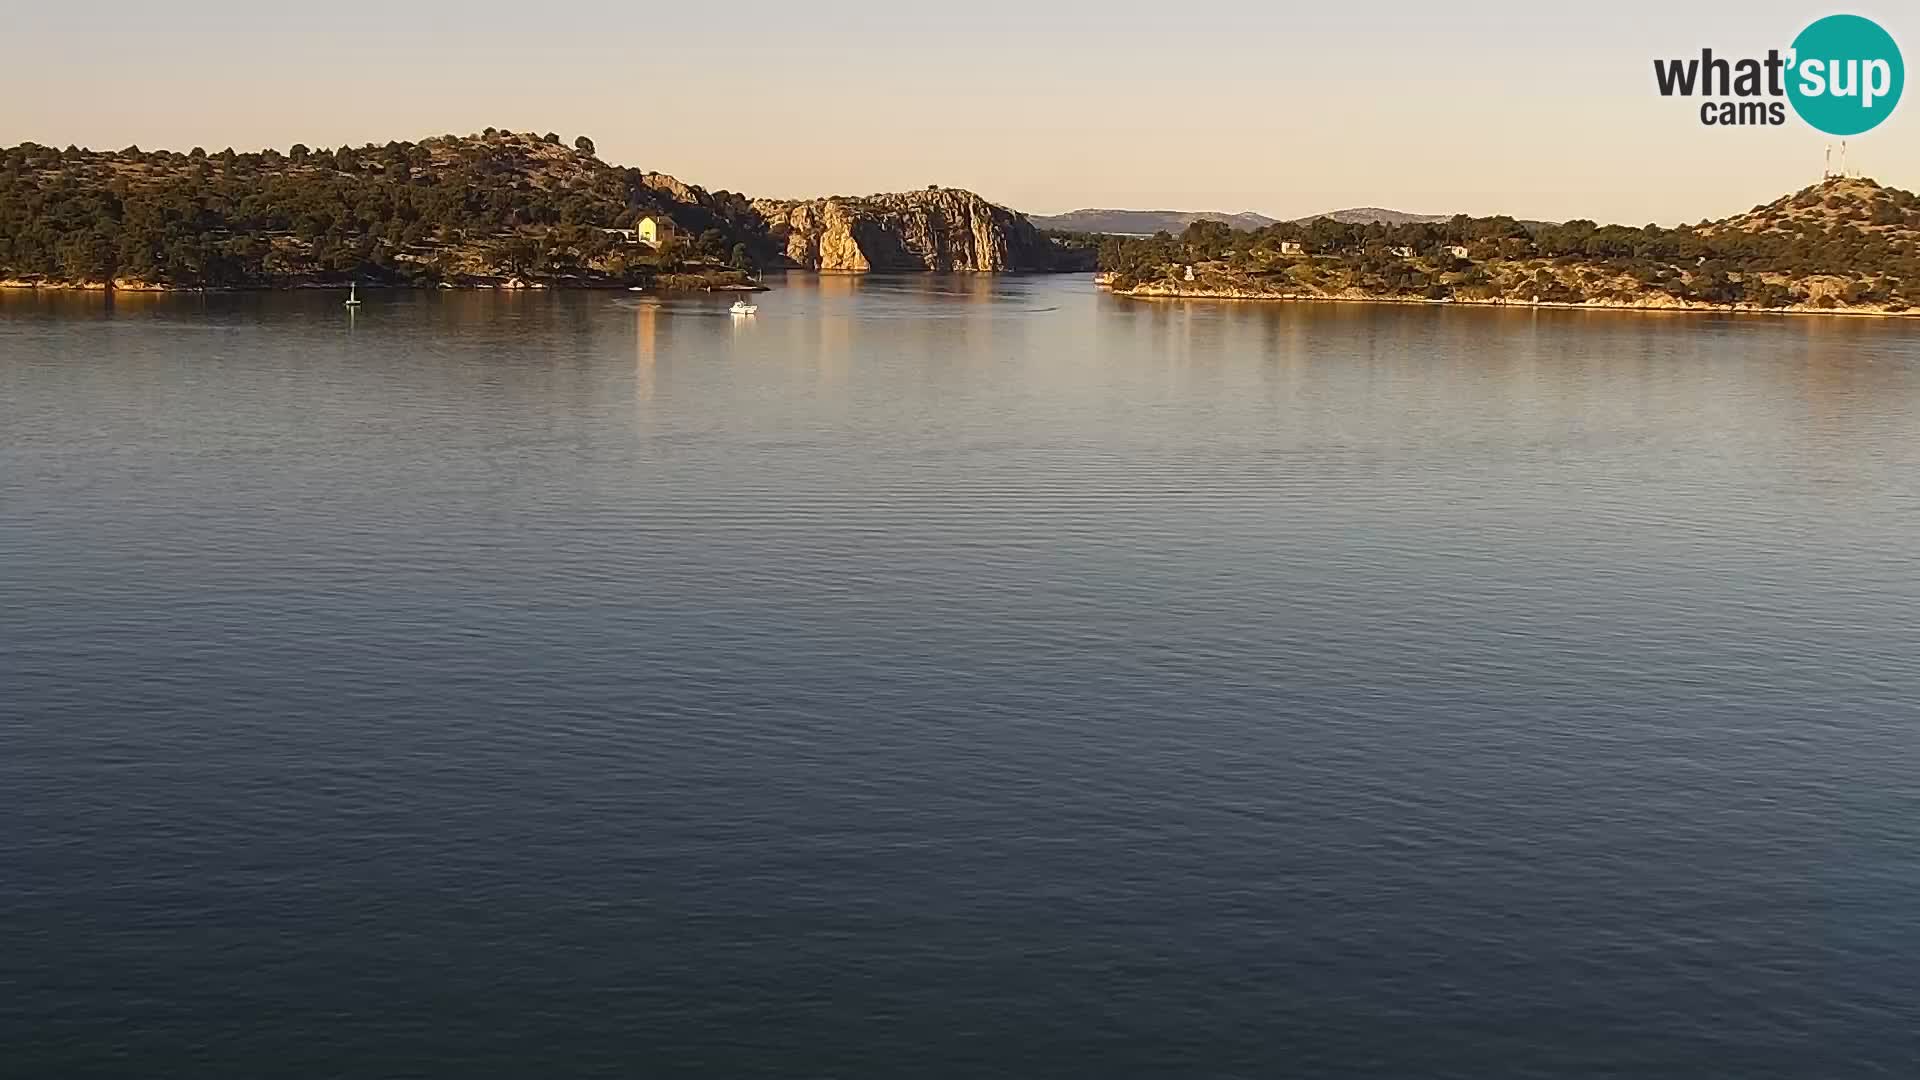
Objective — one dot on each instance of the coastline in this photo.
(510, 286)
(1674, 307)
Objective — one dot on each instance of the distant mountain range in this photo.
(1148, 222)
(1367, 215)
(1141, 222)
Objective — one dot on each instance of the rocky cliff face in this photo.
(915, 230)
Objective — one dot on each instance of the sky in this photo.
(1533, 109)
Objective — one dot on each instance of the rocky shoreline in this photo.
(941, 229)
(1172, 291)
(687, 283)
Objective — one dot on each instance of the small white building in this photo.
(1403, 251)
(654, 229)
(1292, 247)
(1458, 251)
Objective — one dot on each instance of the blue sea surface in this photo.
(954, 676)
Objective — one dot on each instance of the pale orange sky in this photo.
(1488, 108)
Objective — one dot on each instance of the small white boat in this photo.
(636, 288)
(741, 307)
(353, 295)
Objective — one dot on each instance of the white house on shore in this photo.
(1292, 247)
(1458, 251)
(654, 230)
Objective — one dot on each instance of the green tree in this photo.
(667, 256)
(521, 253)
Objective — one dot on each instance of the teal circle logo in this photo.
(1847, 75)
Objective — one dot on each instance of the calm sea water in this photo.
(954, 677)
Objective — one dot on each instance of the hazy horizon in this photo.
(1232, 107)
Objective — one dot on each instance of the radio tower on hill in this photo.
(1829, 173)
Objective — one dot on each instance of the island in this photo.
(1843, 245)
(497, 209)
